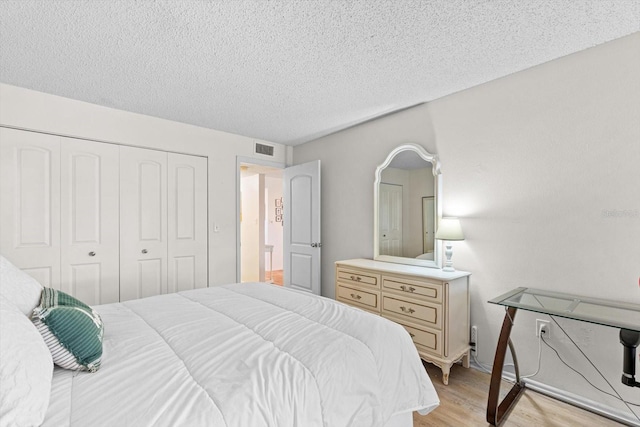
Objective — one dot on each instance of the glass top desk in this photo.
(624, 316)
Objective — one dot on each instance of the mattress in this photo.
(244, 355)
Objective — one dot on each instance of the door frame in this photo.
(253, 161)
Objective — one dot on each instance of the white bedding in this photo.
(244, 355)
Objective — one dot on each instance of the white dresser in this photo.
(432, 305)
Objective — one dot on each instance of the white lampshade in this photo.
(449, 229)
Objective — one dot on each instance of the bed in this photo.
(251, 354)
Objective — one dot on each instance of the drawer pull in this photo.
(407, 310)
(356, 296)
(410, 289)
(356, 278)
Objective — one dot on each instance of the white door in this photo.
(301, 200)
(89, 251)
(30, 200)
(187, 222)
(428, 224)
(143, 223)
(250, 227)
(390, 219)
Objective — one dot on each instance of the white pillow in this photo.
(18, 287)
(26, 369)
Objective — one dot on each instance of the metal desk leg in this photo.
(497, 413)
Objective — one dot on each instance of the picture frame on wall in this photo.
(278, 218)
(278, 211)
(278, 202)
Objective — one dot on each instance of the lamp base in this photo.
(448, 253)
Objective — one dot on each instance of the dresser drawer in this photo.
(368, 299)
(425, 339)
(358, 277)
(430, 314)
(429, 290)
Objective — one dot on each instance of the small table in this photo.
(625, 316)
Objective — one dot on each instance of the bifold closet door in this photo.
(187, 221)
(30, 201)
(89, 209)
(143, 223)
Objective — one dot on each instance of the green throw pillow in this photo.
(71, 329)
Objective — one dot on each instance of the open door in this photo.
(302, 246)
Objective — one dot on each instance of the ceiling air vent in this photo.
(267, 150)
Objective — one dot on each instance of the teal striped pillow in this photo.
(71, 329)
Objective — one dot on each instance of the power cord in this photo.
(484, 368)
(539, 357)
(585, 378)
(617, 395)
(542, 340)
(487, 370)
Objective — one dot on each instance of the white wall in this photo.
(543, 167)
(27, 109)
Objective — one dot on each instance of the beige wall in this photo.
(27, 109)
(543, 167)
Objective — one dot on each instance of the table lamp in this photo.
(449, 230)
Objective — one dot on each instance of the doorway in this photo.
(261, 223)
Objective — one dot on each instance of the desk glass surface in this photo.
(603, 312)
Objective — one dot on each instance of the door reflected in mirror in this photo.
(406, 193)
(428, 225)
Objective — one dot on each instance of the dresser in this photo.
(432, 305)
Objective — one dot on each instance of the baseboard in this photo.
(570, 398)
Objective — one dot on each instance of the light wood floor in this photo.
(464, 403)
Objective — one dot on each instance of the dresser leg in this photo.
(465, 359)
(446, 368)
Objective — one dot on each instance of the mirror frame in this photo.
(437, 191)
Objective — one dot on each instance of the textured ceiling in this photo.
(288, 71)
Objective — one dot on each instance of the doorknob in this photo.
(144, 251)
(92, 253)
(316, 245)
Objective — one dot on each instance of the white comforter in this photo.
(244, 355)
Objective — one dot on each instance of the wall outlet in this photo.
(474, 339)
(543, 326)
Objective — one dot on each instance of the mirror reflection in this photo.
(407, 207)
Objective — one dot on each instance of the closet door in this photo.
(187, 200)
(89, 221)
(30, 200)
(143, 223)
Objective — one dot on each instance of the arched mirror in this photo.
(407, 196)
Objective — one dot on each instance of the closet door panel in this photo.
(89, 221)
(151, 277)
(30, 200)
(143, 223)
(187, 226)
